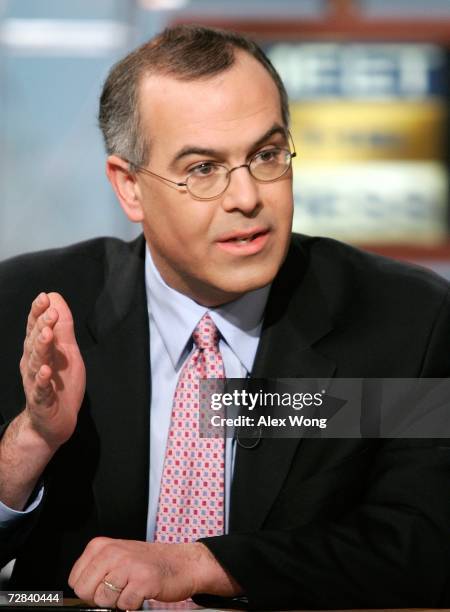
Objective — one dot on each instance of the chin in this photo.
(243, 283)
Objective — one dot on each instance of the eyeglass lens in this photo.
(210, 179)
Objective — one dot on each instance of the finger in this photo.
(41, 353)
(39, 305)
(92, 575)
(44, 393)
(131, 598)
(109, 589)
(48, 318)
(94, 547)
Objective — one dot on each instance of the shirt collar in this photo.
(176, 316)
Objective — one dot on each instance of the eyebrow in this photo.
(192, 150)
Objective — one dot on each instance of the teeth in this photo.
(243, 240)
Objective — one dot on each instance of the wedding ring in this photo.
(112, 586)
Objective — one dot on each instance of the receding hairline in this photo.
(184, 53)
(238, 54)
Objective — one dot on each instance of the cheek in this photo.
(287, 209)
(280, 203)
(179, 225)
(162, 206)
(192, 227)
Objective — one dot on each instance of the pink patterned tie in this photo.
(191, 499)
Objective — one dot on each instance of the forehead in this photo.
(233, 108)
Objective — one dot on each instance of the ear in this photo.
(126, 187)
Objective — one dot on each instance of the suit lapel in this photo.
(296, 317)
(118, 395)
(118, 390)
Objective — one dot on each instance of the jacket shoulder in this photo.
(78, 272)
(394, 316)
(344, 268)
(78, 268)
(94, 251)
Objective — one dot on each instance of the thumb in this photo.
(64, 326)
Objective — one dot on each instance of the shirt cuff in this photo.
(8, 516)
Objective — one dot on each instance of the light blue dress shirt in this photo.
(172, 319)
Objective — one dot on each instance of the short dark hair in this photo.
(186, 52)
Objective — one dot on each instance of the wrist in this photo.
(209, 576)
(23, 457)
(28, 439)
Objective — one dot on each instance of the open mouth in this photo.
(246, 243)
(245, 239)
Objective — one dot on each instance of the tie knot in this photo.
(206, 334)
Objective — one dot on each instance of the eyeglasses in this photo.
(209, 180)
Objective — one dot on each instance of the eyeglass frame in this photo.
(136, 168)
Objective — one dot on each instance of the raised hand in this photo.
(52, 370)
(54, 381)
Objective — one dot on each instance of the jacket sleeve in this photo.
(389, 550)
(15, 530)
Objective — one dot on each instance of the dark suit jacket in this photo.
(314, 523)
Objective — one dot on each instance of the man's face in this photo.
(214, 251)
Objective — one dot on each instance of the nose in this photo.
(242, 193)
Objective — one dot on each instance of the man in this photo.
(195, 124)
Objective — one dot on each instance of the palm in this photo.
(69, 376)
(55, 417)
